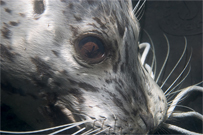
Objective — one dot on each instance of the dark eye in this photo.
(91, 49)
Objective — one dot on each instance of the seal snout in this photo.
(148, 121)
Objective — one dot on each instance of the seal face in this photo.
(68, 61)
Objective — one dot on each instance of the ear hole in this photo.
(38, 6)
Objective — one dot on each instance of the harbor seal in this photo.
(77, 62)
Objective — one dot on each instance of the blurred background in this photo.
(177, 19)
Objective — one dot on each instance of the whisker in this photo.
(189, 108)
(66, 128)
(166, 59)
(102, 131)
(95, 130)
(188, 114)
(176, 63)
(79, 131)
(136, 6)
(140, 8)
(171, 93)
(153, 52)
(87, 132)
(179, 129)
(43, 130)
(180, 95)
(177, 91)
(141, 13)
(146, 51)
(179, 75)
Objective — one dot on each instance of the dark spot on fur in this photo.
(122, 67)
(112, 20)
(149, 93)
(116, 43)
(121, 29)
(134, 112)
(115, 66)
(13, 23)
(7, 53)
(42, 67)
(102, 25)
(121, 93)
(120, 4)
(108, 81)
(120, 105)
(74, 30)
(77, 18)
(64, 72)
(121, 82)
(6, 33)
(7, 87)
(55, 53)
(90, 2)
(38, 6)
(92, 24)
(118, 84)
(72, 82)
(22, 14)
(71, 6)
(77, 94)
(38, 82)
(159, 98)
(2, 2)
(58, 84)
(126, 53)
(8, 10)
(88, 87)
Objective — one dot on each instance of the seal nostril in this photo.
(38, 6)
(148, 121)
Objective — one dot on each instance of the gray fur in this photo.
(47, 84)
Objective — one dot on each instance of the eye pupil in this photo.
(91, 49)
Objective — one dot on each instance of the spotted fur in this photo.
(47, 84)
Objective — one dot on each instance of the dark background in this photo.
(177, 19)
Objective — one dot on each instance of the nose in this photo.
(148, 121)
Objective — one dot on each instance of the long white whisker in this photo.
(95, 130)
(136, 6)
(188, 114)
(140, 8)
(101, 131)
(42, 130)
(180, 95)
(79, 131)
(176, 63)
(179, 74)
(169, 93)
(179, 129)
(153, 51)
(87, 132)
(146, 51)
(141, 13)
(166, 59)
(66, 128)
(186, 107)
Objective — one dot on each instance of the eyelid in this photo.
(91, 49)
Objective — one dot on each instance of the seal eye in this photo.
(91, 49)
